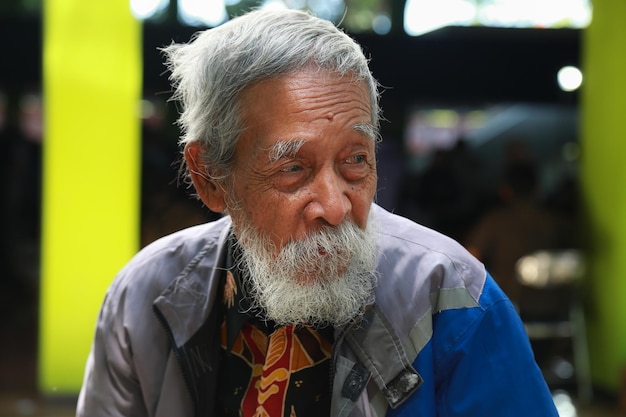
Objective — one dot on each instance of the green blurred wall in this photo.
(603, 137)
(92, 86)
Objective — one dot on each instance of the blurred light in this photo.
(432, 129)
(202, 12)
(296, 4)
(274, 5)
(327, 9)
(528, 269)
(544, 268)
(564, 405)
(443, 118)
(563, 368)
(145, 9)
(361, 21)
(475, 119)
(569, 78)
(422, 16)
(147, 109)
(536, 13)
(381, 24)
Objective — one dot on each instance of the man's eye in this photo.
(291, 168)
(356, 159)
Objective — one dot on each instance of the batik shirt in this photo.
(267, 370)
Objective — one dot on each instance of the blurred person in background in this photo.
(515, 228)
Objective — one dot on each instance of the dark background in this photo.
(455, 66)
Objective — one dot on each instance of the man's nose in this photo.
(330, 200)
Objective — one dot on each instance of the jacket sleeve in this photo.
(491, 370)
(110, 386)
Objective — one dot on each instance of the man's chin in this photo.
(320, 277)
(314, 321)
(318, 302)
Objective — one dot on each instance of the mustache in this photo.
(327, 241)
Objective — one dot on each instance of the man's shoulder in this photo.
(172, 257)
(411, 244)
(423, 272)
(396, 227)
(185, 242)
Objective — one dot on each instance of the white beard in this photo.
(325, 278)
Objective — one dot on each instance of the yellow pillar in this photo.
(604, 187)
(92, 86)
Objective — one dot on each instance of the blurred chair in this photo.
(551, 309)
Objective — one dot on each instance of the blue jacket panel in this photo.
(478, 363)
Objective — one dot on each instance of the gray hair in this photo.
(210, 72)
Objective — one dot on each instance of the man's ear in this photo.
(210, 192)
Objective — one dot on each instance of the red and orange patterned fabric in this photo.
(269, 371)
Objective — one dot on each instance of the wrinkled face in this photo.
(299, 194)
(307, 157)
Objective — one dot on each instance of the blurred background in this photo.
(502, 129)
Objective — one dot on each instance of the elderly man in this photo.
(307, 299)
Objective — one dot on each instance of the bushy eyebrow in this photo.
(289, 148)
(369, 130)
(284, 148)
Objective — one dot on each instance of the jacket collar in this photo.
(186, 303)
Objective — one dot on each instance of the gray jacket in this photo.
(156, 346)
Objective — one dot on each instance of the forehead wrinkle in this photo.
(284, 148)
